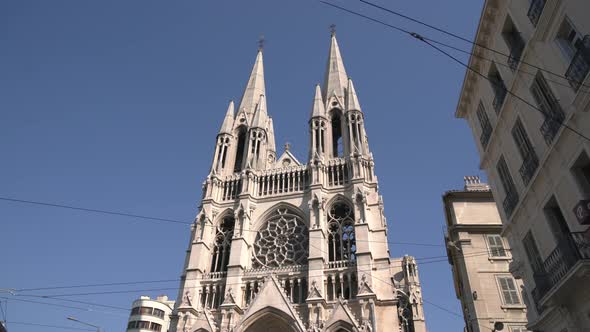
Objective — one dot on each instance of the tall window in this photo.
(532, 252)
(240, 149)
(498, 86)
(341, 238)
(514, 42)
(337, 146)
(508, 289)
(557, 221)
(535, 10)
(222, 246)
(568, 39)
(581, 172)
(511, 198)
(530, 162)
(484, 124)
(496, 246)
(549, 106)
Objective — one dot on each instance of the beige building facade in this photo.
(531, 122)
(479, 256)
(281, 245)
(148, 315)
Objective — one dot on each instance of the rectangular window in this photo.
(535, 10)
(156, 327)
(532, 253)
(158, 312)
(514, 41)
(568, 39)
(145, 310)
(142, 324)
(509, 291)
(581, 173)
(557, 222)
(484, 124)
(511, 198)
(549, 106)
(530, 162)
(498, 86)
(135, 311)
(132, 325)
(496, 246)
(518, 329)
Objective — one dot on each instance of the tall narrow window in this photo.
(222, 246)
(496, 246)
(581, 173)
(568, 39)
(549, 106)
(508, 289)
(514, 42)
(337, 147)
(532, 253)
(498, 86)
(341, 238)
(240, 149)
(535, 10)
(511, 198)
(557, 222)
(530, 162)
(484, 124)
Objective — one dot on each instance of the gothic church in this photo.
(285, 246)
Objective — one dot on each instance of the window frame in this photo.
(513, 293)
(491, 249)
(568, 48)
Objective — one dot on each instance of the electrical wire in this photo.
(51, 326)
(426, 41)
(446, 32)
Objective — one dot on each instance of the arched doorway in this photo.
(270, 320)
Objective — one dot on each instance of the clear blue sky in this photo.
(115, 105)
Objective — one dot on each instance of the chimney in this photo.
(473, 183)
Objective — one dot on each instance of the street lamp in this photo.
(98, 329)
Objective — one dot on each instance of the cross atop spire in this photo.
(333, 29)
(261, 42)
(336, 79)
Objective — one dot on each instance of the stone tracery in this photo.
(281, 241)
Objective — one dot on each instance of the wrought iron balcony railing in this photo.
(569, 250)
(580, 65)
(535, 11)
(510, 202)
(552, 123)
(530, 164)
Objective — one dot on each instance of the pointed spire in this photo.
(352, 102)
(260, 115)
(255, 86)
(335, 79)
(228, 122)
(318, 109)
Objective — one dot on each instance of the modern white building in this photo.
(479, 257)
(281, 245)
(530, 117)
(150, 315)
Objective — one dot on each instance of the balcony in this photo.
(571, 250)
(535, 11)
(510, 202)
(552, 123)
(580, 65)
(529, 165)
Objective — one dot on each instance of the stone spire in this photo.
(271, 136)
(255, 86)
(318, 109)
(260, 115)
(352, 102)
(228, 122)
(335, 80)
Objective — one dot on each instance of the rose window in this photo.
(281, 241)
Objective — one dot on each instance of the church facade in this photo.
(281, 245)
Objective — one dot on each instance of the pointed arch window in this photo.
(337, 142)
(341, 237)
(222, 246)
(241, 148)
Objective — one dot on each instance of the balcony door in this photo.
(557, 222)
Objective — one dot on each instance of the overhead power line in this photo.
(465, 39)
(428, 42)
(51, 326)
